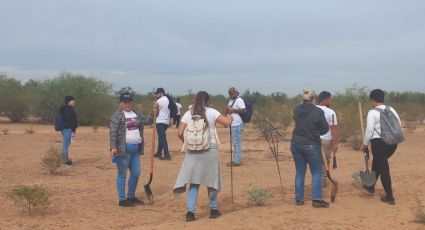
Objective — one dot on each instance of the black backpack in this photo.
(59, 121)
(172, 107)
(247, 116)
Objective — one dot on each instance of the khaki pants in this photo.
(326, 148)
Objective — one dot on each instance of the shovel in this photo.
(334, 190)
(148, 189)
(367, 177)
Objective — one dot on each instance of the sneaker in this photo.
(214, 214)
(299, 203)
(190, 216)
(320, 204)
(369, 189)
(233, 164)
(165, 158)
(136, 201)
(388, 200)
(126, 203)
(157, 155)
(68, 164)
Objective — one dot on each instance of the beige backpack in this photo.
(196, 135)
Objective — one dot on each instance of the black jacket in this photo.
(310, 123)
(69, 118)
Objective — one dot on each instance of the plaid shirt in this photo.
(117, 130)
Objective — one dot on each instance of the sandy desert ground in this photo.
(84, 197)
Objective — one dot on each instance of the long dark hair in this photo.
(201, 103)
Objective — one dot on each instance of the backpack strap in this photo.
(234, 101)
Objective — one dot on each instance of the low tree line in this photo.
(97, 100)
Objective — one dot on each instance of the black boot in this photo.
(214, 214)
(190, 216)
(388, 200)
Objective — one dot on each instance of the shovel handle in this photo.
(153, 143)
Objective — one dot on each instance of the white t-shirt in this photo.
(132, 124)
(164, 111)
(373, 127)
(328, 115)
(212, 116)
(239, 104)
(179, 108)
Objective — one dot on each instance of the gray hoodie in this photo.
(310, 123)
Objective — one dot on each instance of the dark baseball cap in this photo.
(126, 97)
(159, 90)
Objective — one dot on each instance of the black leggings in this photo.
(381, 153)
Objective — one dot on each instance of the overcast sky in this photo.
(264, 45)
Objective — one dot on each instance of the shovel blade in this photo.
(334, 191)
(368, 178)
(149, 193)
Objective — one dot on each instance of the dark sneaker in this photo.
(68, 164)
(320, 204)
(388, 200)
(157, 155)
(126, 203)
(233, 164)
(136, 201)
(165, 158)
(190, 216)
(214, 214)
(299, 203)
(369, 189)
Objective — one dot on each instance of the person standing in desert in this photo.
(127, 144)
(236, 108)
(310, 123)
(201, 167)
(330, 140)
(70, 125)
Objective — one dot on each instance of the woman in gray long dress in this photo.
(201, 168)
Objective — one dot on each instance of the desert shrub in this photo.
(95, 128)
(355, 142)
(5, 131)
(356, 178)
(30, 130)
(13, 103)
(31, 198)
(419, 211)
(51, 160)
(258, 196)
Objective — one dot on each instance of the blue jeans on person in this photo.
(66, 136)
(237, 132)
(311, 154)
(130, 160)
(162, 139)
(192, 196)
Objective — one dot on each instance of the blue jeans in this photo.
(130, 160)
(162, 139)
(66, 136)
(192, 196)
(311, 154)
(237, 132)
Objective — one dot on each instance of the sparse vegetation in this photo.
(5, 131)
(356, 178)
(419, 211)
(30, 130)
(259, 196)
(52, 160)
(31, 198)
(95, 128)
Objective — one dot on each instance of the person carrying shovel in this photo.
(377, 134)
(127, 144)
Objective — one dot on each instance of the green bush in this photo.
(258, 196)
(13, 103)
(31, 198)
(52, 160)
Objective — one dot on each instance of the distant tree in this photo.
(13, 102)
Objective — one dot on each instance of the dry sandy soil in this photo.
(84, 197)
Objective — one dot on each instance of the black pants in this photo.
(162, 139)
(177, 121)
(381, 153)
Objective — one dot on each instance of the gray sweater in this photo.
(118, 129)
(310, 123)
